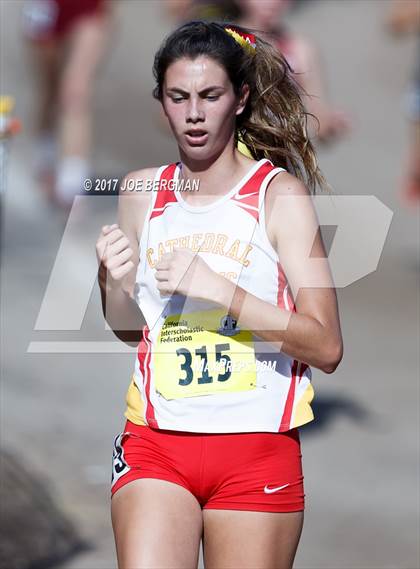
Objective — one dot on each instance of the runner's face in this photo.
(198, 95)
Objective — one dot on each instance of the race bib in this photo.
(203, 353)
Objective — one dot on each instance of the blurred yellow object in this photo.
(7, 104)
(243, 148)
(8, 124)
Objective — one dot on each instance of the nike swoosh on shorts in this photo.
(268, 490)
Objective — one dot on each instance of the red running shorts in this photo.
(256, 471)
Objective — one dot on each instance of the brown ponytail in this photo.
(276, 127)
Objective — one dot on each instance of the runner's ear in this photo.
(242, 99)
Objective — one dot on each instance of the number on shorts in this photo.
(119, 466)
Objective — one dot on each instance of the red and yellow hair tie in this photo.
(247, 41)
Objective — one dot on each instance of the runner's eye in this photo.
(177, 99)
(212, 97)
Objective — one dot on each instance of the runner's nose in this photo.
(194, 111)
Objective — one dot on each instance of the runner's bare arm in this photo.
(312, 334)
(118, 257)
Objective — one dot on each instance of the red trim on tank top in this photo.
(288, 408)
(164, 197)
(282, 283)
(303, 368)
(144, 353)
(248, 197)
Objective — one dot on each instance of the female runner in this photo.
(197, 279)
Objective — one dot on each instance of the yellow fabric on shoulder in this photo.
(135, 407)
(243, 148)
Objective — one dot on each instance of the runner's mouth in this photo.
(196, 137)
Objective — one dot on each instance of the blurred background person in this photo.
(404, 18)
(267, 18)
(410, 189)
(68, 40)
(181, 11)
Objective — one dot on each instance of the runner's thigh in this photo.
(157, 525)
(250, 540)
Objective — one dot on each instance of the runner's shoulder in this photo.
(134, 200)
(135, 182)
(285, 184)
(134, 191)
(284, 215)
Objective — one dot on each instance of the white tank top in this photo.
(196, 370)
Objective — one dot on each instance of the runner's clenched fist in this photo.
(114, 254)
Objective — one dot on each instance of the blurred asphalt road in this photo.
(61, 411)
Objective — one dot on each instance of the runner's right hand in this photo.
(114, 254)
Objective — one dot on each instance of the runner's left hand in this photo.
(185, 272)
